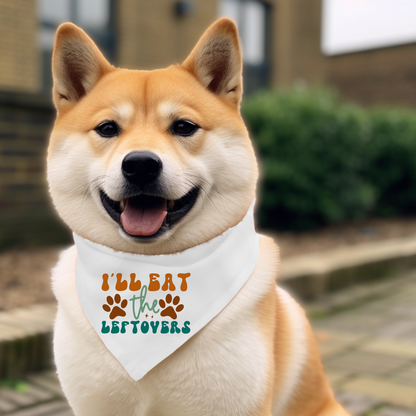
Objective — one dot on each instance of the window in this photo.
(94, 16)
(356, 25)
(251, 17)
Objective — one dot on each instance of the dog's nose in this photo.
(141, 168)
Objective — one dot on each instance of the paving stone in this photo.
(409, 336)
(396, 328)
(45, 389)
(331, 342)
(58, 408)
(18, 397)
(394, 411)
(406, 376)
(336, 377)
(405, 311)
(385, 390)
(52, 374)
(391, 347)
(7, 406)
(41, 394)
(355, 403)
(44, 381)
(323, 325)
(404, 294)
(64, 412)
(365, 363)
(357, 323)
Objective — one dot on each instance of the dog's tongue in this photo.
(143, 215)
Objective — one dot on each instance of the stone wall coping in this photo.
(346, 258)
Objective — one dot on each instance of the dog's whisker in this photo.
(212, 188)
(189, 181)
(92, 186)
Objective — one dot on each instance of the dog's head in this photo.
(150, 162)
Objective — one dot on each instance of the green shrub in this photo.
(325, 162)
(392, 169)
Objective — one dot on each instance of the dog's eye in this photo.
(184, 128)
(108, 129)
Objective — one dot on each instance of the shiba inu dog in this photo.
(157, 162)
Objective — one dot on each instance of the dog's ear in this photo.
(77, 65)
(216, 61)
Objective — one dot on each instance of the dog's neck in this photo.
(245, 226)
(181, 239)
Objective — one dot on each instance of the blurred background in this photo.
(329, 97)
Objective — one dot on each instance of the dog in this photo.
(154, 163)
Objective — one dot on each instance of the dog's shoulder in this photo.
(66, 263)
(269, 258)
(63, 274)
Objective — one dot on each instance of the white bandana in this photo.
(145, 307)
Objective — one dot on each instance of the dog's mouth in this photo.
(145, 216)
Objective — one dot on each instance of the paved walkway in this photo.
(369, 351)
(37, 395)
(367, 338)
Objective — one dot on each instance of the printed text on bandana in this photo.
(147, 309)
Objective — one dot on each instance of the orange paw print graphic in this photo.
(115, 310)
(169, 310)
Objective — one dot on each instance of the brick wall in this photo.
(26, 213)
(295, 41)
(150, 35)
(20, 59)
(380, 76)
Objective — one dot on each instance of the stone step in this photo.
(26, 340)
(58, 408)
(310, 276)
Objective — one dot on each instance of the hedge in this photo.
(325, 162)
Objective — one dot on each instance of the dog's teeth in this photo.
(122, 204)
(171, 204)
